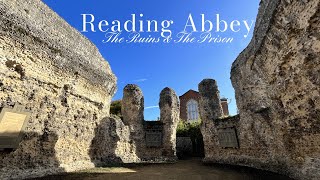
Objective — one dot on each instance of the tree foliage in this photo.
(115, 108)
(191, 130)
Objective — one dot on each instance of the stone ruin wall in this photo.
(61, 78)
(276, 81)
(212, 120)
(253, 151)
(124, 141)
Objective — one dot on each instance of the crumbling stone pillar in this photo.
(210, 105)
(132, 109)
(169, 116)
(210, 110)
(132, 105)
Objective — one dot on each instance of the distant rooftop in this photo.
(222, 99)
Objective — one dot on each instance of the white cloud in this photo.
(140, 80)
(151, 107)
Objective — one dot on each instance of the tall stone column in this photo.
(132, 109)
(169, 116)
(210, 104)
(132, 105)
(210, 110)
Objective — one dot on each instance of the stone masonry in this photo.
(210, 110)
(61, 78)
(132, 110)
(125, 141)
(169, 115)
(276, 81)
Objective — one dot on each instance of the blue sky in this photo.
(159, 65)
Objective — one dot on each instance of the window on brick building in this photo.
(192, 110)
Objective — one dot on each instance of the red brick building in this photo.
(189, 106)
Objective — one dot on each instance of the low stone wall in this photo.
(61, 78)
(213, 150)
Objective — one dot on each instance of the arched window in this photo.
(192, 110)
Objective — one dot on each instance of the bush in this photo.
(191, 130)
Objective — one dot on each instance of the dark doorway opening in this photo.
(189, 140)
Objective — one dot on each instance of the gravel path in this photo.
(191, 169)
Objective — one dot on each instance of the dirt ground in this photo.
(191, 169)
